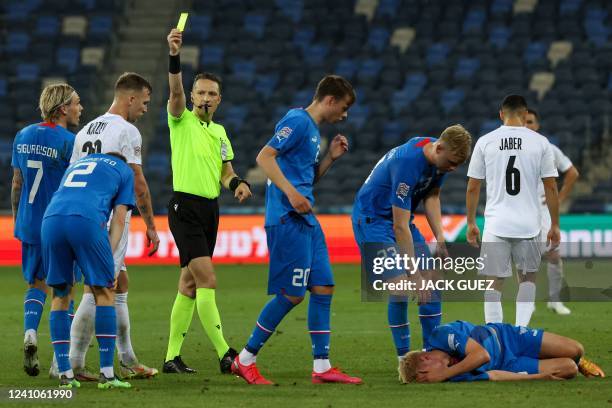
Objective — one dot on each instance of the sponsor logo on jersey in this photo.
(283, 133)
(402, 191)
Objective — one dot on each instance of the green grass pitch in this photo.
(361, 344)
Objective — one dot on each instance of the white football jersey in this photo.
(512, 160)
(109, 133)
(562, 163)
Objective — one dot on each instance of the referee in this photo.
(201, 162)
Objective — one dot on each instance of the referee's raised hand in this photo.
(175, 41)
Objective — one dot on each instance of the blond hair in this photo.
(458, 140)
(408, 366)
(52, 98)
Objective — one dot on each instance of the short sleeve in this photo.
(227, 152)
(132, 147)
(477, 169)
(289, 132)
(125, 193)
(404, 176)
(448, 340)
(471, 376)
(562, 162)
(173, 120)
(440, 180)
(547, 165)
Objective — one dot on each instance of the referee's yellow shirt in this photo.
(198, 153)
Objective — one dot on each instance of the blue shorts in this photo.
(32, 263)
(380, 231)
(67, 239)
(298, 257)
(521, 347)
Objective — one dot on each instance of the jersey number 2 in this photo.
(513, 178)
(80, 169)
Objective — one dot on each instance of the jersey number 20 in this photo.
(513, 178)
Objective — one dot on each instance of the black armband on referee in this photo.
(174, 64)
(235, 182)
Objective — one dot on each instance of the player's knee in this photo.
(568, 368)
(322, 290)
(296, 300)
(577, 349)
(554, 257)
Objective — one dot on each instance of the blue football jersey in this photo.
(42, 153)
(452, 338)
(401, 178)
(92, 187)
(298, 141)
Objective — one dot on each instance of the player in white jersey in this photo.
(554, 263)
(512, 159)
(114, 132)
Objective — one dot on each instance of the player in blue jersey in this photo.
(74, 230)
(462, 351)
(384, 210)
(298, 254)
(41, 154)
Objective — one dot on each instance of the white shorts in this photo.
(499, 253)
(119, 254)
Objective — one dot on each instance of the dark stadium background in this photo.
(417, 65)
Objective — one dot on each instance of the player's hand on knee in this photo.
(152, 240)
(473, 235)
(300, 203)
(175, 40)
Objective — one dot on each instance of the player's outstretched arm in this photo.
(177, 101)
(117, 225)
(433, 213)
(337, 148)
(145, 208)
(266, 159)
(16, 186)
(472, 195)
(569, 179)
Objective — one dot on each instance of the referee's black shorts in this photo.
(194, 221)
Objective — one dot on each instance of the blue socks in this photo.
(32, 308)
(106, 333)
(318, 324)
(430, 315)
(59, 324)
(397, 316)
(270, 317)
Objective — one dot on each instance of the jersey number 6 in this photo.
(513, 178)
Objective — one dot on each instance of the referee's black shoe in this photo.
(225, 363)
(177, 366)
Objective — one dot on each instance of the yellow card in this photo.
(182, 21)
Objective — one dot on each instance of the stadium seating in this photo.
(417, 65)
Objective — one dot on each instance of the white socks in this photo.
(82, 330)
(555, 280)
(246, 358)
(124, 343)
(320, 365)
(525, 299)
(108, 372)
(493, 307)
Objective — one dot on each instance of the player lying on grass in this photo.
(462, 351)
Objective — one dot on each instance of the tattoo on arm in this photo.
(143, 202)
(16, 192)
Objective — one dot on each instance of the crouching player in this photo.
(384, 211)
(462, 351)
(74, 229)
